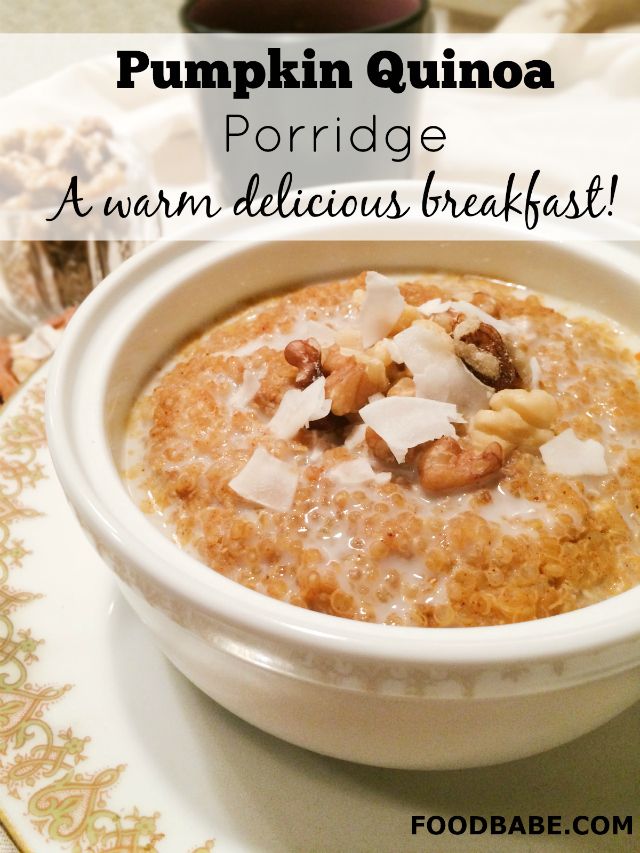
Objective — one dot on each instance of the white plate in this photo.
(105, 747)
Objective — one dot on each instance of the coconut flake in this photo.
(405, 422)
(438, 373)
(324, 334)
(298, 408)
(437, 306)
(567, 454)
(448, 380)
(381, 307)
(420, 344)
(267, 481)
(356, 436)
(536, 373)
(434, 306)
(250, 386)
(40, 344)
(356, 471)
(393, 349)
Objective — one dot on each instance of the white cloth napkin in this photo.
(589, 124)
(572, 16)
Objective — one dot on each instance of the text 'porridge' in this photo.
(434, 450)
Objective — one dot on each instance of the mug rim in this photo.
(393, 26)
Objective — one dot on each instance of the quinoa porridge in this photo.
(433, 450)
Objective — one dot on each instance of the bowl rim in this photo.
(135, 539)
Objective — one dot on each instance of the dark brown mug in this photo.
(226, 30)
(304, 16)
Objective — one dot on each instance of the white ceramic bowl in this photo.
(398, 697)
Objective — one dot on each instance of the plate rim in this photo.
(64, 748)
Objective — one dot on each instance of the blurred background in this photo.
(454, 15)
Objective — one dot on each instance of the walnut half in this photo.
(481, 348)
(516, 418)
(444, 464)
(352, 378)
(307, 357)
(349, 387)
